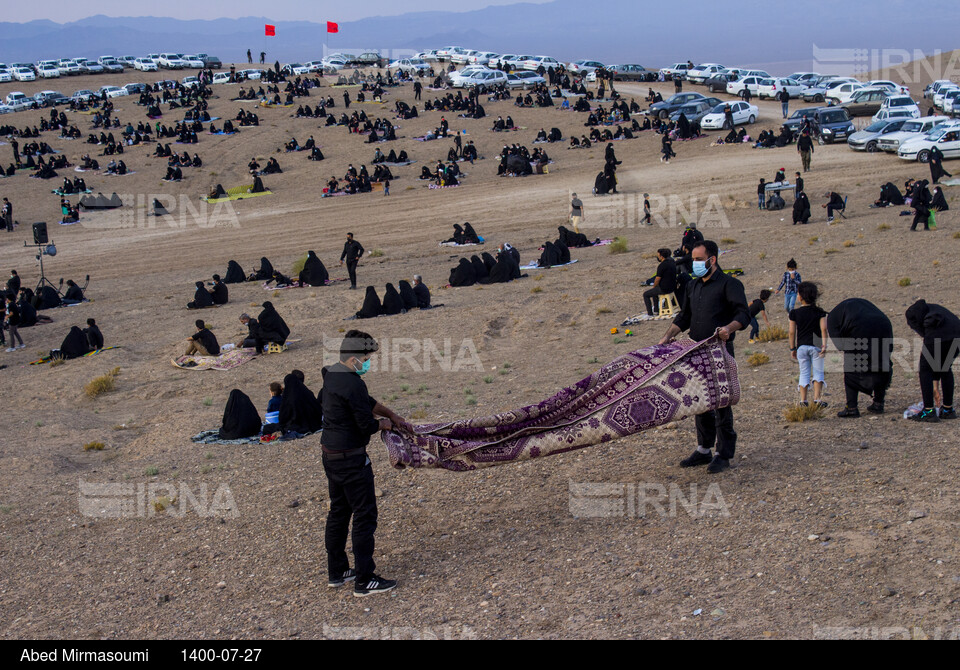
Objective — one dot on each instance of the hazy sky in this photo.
(284, 10)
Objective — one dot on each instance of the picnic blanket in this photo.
(47, 359)
(239, 193)
(213, 437)
(471, 244)
(436, 186)
(637, 391)
(228, 360)
(640, 318)
(534, 266)
(296, 284)
(397, 164)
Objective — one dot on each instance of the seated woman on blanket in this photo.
(74, 294)
(71, 213)
(74, 345)
(240, 418)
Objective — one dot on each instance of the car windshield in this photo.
(876, 127)
(937, 133)
(900, 102)
(833, 117)
(912, 127)
(718, 109)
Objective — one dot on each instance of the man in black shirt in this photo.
(665, 282)
(805, 149)
(349, 419)
(202, 342)
(352, 253)
(714, 302)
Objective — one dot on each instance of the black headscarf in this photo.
(572, 239)
(564, 252)
(550, 256)
(470, 234)
(266, 269)
(464, 274)
(488, 261)
(240, 417)
(314, 272)
(74, 344)
(272, 326)
(392, 302)
(407, 295)
(933, 322)
(300, 410)
(371, 305)
(939, 203)
(504, 271)
(801, 208)
(858, 319)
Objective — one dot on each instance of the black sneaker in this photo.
(926, 416)
(718, 465)
(348, 576)
(948, 414)
(849, 413)
(696, 459)
(876, 408)
(375, 584)
(822, 403)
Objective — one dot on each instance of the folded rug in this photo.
(637, 391)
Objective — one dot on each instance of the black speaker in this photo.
(40, 233)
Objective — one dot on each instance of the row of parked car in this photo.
(53, 69)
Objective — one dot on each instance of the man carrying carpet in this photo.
(713, 302)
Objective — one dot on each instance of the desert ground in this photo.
(833, 527)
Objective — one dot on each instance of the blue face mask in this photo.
(700, 268)
(365, 368)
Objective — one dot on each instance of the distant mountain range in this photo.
(749, 32)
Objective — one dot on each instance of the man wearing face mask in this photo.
(713, 302)
(349, 419)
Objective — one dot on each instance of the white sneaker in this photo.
(11, 349)
(22, 346)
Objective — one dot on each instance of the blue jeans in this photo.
(762, 201)
(786, 108)
(754, 328)
(789, 300)
(811, 365)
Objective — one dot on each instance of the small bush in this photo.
(405, 388)
(956, 235)
(801, 413)
(619, 245)
(813, 240)
(418, 415)
(848, 244)
(207, 402)
(57, 360)
(905, 282)
(471, 401)
(758, 359)
(377, 253)
(100, 385)
(204, 469)
(763, 255)
(728, 240)
(162, 503)
(831, 251)
(298, 266)
(883, 226)
(468, 391)
(507, 366)
(536, 289)
(152, 471)
(772, 334)
(604, 310)
(488, 379)
(504, 372)
(94, 446)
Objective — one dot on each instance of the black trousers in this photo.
(352, 271)
(650, 299)
(716, 427)
(936, 361)
(350, 483)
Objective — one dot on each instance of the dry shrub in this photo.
(905, 282)
(100, 385)
(848, 243)
(94, 446)
(883, 226)
(619, 245)
(801, 413)
(377, 253)
(537, 289)
(298, 266)
(728, 240)
(758, 359)
(772, 334)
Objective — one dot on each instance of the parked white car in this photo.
(772, 88)
(296, 69)
(221, 78)
(704, 71)
(891, 114)
(192, 61)
(488, 78)
(112, 91)
(251, 74)
(455, 76)
(170, 61)
(930, 90)
(5, 76)
(482, 58)
(463, 57)
(524, 79)
(901, 103)
(742, 113)
(945, 137)
(68, 67)
(536, 61)
(744, 83)
(677, 68)
(412, 65)
(584, 66)
(24, 74)
(18, 101)
(190, 82)
(911, 130)
(951, 103)
(84, 95)
(942, 93)
(6, 109)
(145, 65)
(894, 88)
(334, 63)
(48, 70)
(842, 93)
(126, 61)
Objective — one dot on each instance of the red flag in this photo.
(333, 27)
(270, 31)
